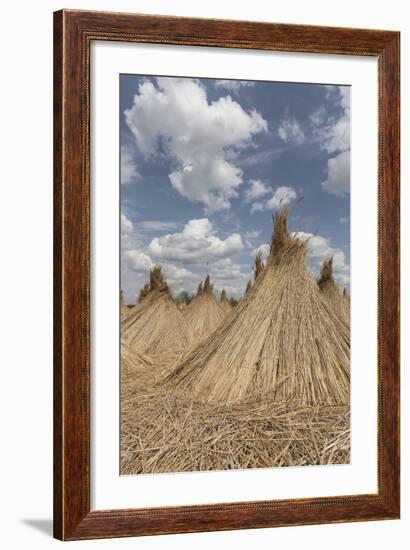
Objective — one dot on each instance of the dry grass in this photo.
(169, 432)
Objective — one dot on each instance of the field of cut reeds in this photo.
(265, 383)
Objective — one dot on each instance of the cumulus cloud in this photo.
(226, 270)
(250, 237)
(338, 175)
(201, 139)
(318, 117)
(126, 225)
(291, 132)
(257, 189)
(320, 248)
(233, 85)
(196, 244)
(333, 132)
(282, 196)
(138, 261)
(129, 171)
(177, 276)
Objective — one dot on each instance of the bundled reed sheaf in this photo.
(259, 265)
(284, 339)
(346, 304)
(143, 292)
(204, 314)
(224, 302)
(330, 290)
(124, 309)
(155, 325)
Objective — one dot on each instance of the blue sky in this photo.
(205, 163)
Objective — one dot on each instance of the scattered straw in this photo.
(169, 432)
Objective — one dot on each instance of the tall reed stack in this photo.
(224, 302)
(204, 314)
(155, 325)
(331, 291)
(284, 340)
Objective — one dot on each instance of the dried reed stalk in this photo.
(169, 432)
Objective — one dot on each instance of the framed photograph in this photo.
(226, 275)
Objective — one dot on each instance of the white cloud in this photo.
(201, 139)
(320, 248)
(256, 190)
(344, 220)
(338, 175)
(196, 244)
(126, 225)
(282, 196)
(291, 132)
(332, 132)
(233, 85)
(226, 270)
(129, 172)
(250, 237)
(138, 261)
(318, 117)
(257, 206)
(179, 276)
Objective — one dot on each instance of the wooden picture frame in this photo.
(74, 32)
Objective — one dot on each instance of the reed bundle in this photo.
(204, 314)
(330, 290)
(124, 309)
(155, 325)
(224, 302)
(283, 341)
